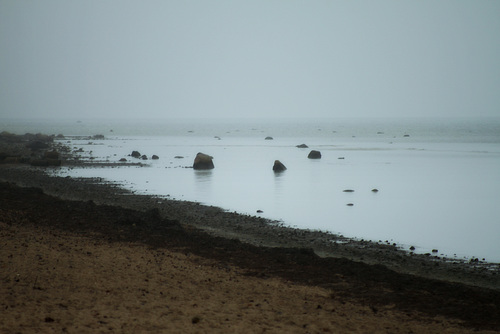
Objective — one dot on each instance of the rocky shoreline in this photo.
(200, 257)
(249, 229)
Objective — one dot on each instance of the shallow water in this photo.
(439, 186)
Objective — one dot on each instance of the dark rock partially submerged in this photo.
(203, 161)
(314, 154)
(278, 166)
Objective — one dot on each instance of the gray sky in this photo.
(286, 58)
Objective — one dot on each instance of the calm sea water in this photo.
(438, 180)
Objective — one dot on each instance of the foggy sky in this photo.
(155, 59)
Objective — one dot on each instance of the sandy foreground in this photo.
(79, 267)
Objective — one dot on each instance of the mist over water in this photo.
(438, 179)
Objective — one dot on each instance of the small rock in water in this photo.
(348, 191)
(375, 190)
(269, 138)
(412, 248)
(435, 251)
(278, 166)
(260, 211)
(314, 154)
(350, 204)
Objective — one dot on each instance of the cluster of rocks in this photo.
(137, 155)
(205, 161)
(33, 149)
(374, 190)
(313, 154)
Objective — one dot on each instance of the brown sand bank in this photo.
(75, 266)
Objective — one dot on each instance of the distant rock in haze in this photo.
(269, 138)
(302, 146)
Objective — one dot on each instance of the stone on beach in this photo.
(203, 161)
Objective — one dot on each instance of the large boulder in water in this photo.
(278, 166)
(314, 155)
(203, 161)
